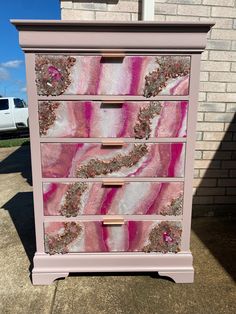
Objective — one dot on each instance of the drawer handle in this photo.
(112, 102)
(113, 221)
(113, 55)
(113, 182)
(113, 143)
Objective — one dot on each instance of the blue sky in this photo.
(12, 64)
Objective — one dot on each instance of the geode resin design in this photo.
(133, 198)
(169, 67)
(47, 116)
(97, 167)
(93, 75)
(164, 237)
(53, 74)
(175, 207)
(133, 119)
(142, 128)
(77, 160)
(71, 202)
(93, 236)
(59, 243)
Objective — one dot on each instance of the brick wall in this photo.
(215, 158)
(100, 10)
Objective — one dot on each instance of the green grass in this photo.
(14, 142)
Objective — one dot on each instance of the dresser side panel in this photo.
(35, 151)
(190, 146)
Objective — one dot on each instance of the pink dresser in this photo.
(113, 110)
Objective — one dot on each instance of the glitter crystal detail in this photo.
(96, 167)
(72, 202)
(169, 67)
(164, 237)
(175, 208)
(53, 74)
(47, 115)
(142, 128)
(167, 237)
(58, 244)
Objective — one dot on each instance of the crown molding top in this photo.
(58, 25)
(119, 35)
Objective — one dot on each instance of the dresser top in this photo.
(110, 25)
(101, 35)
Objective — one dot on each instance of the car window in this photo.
(25, 104)
(4, 105)
(19, 103)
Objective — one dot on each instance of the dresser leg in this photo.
(186, 276)
(39, 278)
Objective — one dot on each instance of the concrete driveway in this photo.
(213, 246)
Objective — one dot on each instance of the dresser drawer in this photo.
(89, 160)
(95, 236)
(119, 198)
(95, 75)
(136, 119)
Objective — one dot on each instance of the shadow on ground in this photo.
(219, 237)
(218, 186)
(18, 161)
(20, 208)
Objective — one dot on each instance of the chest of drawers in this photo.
(113, 111)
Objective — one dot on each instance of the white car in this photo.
(13, 114)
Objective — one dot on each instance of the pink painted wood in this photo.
(61, 158)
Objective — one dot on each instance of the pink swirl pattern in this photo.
(132, 236)
(134, 198)
(62, 160)
(93, 119)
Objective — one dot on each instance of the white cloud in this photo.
(23, 89)
(4, 74)
(12, 64)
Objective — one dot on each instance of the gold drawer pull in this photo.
(113, 182)
(113, 143)
(113, 221)
(113, 55)
(110, 102)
